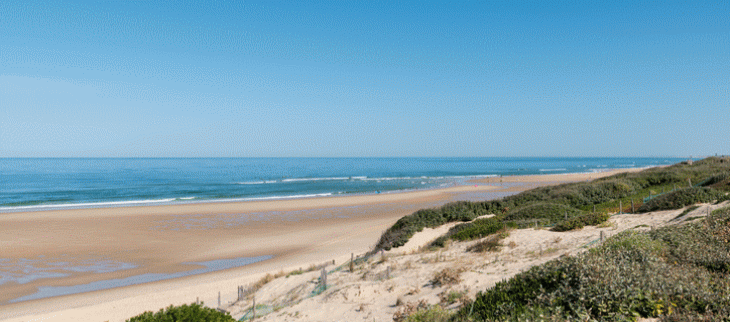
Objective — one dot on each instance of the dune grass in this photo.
(546, 206)
(674, 273)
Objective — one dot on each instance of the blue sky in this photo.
(364, 78)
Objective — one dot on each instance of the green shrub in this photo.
(603, 192)
(551, 211)
(633, 274)
(184, 313)
(716, 179)
(403, 229)
(589, 219)
(434, 313)
(477, 229)
(681, 198)
(489, 244)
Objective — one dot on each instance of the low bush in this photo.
(681, 270)
(476, 229)
(716, 179)
(522, 209)
(589, 219)
(447, 276)
(489, 244)
(682, 198)
(184, 313)
(551, 211)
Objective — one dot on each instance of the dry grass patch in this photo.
(447, 276)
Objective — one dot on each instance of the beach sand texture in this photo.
(161, 239)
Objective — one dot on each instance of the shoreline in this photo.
(176, 201)
(318, 230)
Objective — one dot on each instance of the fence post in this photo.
(620, 207)
(387, 273)
(601, 235)
(219, 298)
(323, 279)
(594, 208)
(566, 215)
(253, 316)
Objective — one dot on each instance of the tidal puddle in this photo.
(25, 270)
(210, 266)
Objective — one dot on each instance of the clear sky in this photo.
(364, 78)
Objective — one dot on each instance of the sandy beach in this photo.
(93, 245)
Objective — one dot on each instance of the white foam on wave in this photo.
(315, 179)
(89, 204)
(251, 182)
(281, 197)
(549, 170)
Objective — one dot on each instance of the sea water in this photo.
(30, 184)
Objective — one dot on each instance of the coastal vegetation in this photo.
(675, 273)
(184, 313)
(663, 188)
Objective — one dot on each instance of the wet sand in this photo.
(96, 245)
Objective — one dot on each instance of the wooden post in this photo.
(594, 208)
(219, 298)
(690, 182)
(620, 207)
(352, 262)
(197, 300)
(566, 215)
(387, 273)
(323, 279)
(333, 262)
(253, 316)
(601, 235)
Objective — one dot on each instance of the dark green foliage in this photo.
(184, 313)
(686, 211)
(705, 243)
(477, 228)
(589, 219)
(604, 193)
(489, 244)
(715, 179)
(398, 234)
(682, 270)
(718, 182)
(553, 212)
(681, 198)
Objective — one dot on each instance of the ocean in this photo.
(31, 184)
